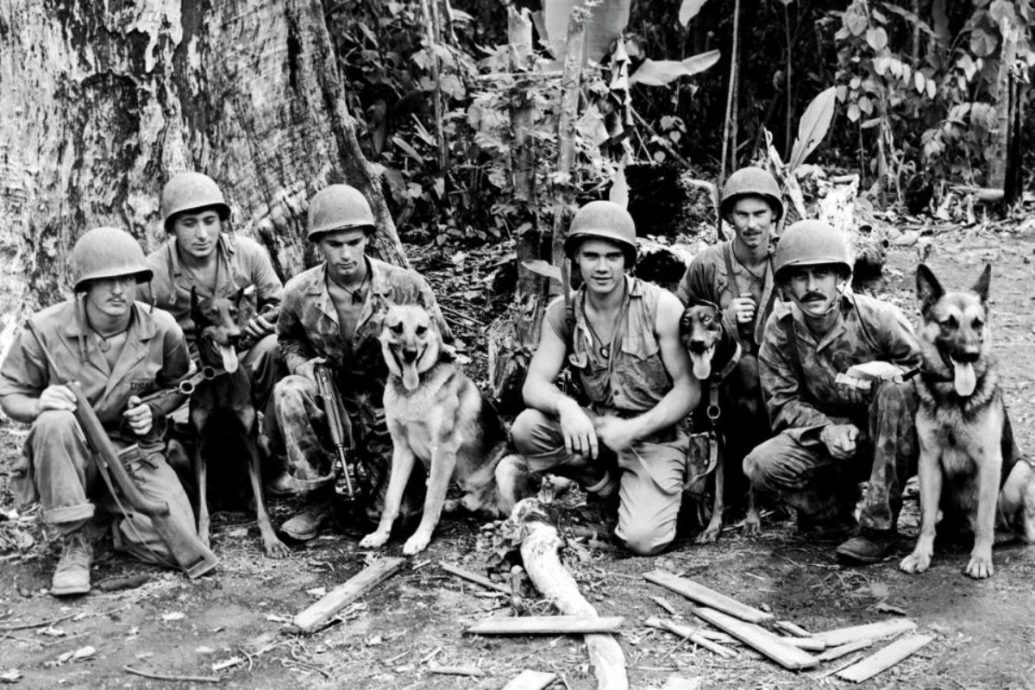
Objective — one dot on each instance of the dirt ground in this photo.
(234, 620)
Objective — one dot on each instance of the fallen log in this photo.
(708, 597)
(531, 680)
(885, 658)
(693, 634)
(317, 615)
(472, 577)
(547, 625)
(539, 552)
(759, 639)
(869, 631)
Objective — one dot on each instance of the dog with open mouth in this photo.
(222, 411)
(969, 465)
(730, 407)
(435, 414)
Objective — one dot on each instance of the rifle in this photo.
(190, 554)
(337, 420)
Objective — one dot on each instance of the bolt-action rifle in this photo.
(189, 552)
(337, 420)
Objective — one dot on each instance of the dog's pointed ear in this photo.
(928, 289)
(981, 286)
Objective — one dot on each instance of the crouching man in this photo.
(832, 431)
(332, 316)
(118, 351)
(622, 339)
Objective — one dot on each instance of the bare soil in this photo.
(985, 632)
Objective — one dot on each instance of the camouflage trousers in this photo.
(805, 476)
(298, 431)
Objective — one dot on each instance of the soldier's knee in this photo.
(291, 388)
(754, 466)
(51, 422)
(644, 539)
(523, 431)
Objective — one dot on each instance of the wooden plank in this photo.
(808, 643)
(547, 625)
(530, 680)
(692, 634)
(793, 629)
(664, 603)
(472, 577)
(869, 631)
(708, 597)
(759, 639)
(843, 650)
(885, 658)
(317, 615)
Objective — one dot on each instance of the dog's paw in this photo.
(709, 536)
(752, 528)
(451, 505)
(415, 544)
(374, 540)
(915, 562)
(980, 567)
(275, 548)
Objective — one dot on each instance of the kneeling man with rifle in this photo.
(81, 373)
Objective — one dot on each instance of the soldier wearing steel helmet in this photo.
(118, 350)
(622, 340)
(332, 314)
(831, 365)
(201, 254)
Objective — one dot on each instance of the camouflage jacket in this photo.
(242, 263)
(308, 325)
(797, 372)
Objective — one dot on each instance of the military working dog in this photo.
(969, 466)
(435, 413)
(731, 407)
(222, 412)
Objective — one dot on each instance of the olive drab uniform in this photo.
(798, 380)
(56, 469)
(309, 327)
(240, 263)
(630, 380)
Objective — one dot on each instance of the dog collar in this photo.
(730, 365)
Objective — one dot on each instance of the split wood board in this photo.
(317, 615)
(885, 658)
(547, 625)
(708, 597)
(759, 639)
(870, 631)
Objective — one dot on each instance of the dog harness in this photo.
(713, 412)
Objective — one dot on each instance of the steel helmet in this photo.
(339, 207)
(811, 243)
(107, 253)
(605, 220)
(187, 191)
(751, 181)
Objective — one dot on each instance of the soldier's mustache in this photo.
(813, 295)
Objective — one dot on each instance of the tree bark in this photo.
(102, 103)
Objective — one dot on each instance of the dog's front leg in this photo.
(273, 547)
(201, 480)
(711, 533)
(402, 465)
(443, 462)
(930, 475)
(989, 471)
(752, 521)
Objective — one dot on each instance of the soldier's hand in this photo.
(138, 416)
(258, 327)
(744, 308)
(616, 433)
(840, 440)
(882, 371)
(56, 397)
(577, 429)
(307, 368)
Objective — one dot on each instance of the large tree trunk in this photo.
(102, 102)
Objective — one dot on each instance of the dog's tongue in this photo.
(702, 364)
(409, 375)
(965, 380)
(229, 355)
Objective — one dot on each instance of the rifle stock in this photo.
(187, 549)
(337, 421)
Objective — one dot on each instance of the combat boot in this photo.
(72, 575)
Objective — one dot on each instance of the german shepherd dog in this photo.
(731, 406)
(968, 462)
(435, 413)
(222, 412)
